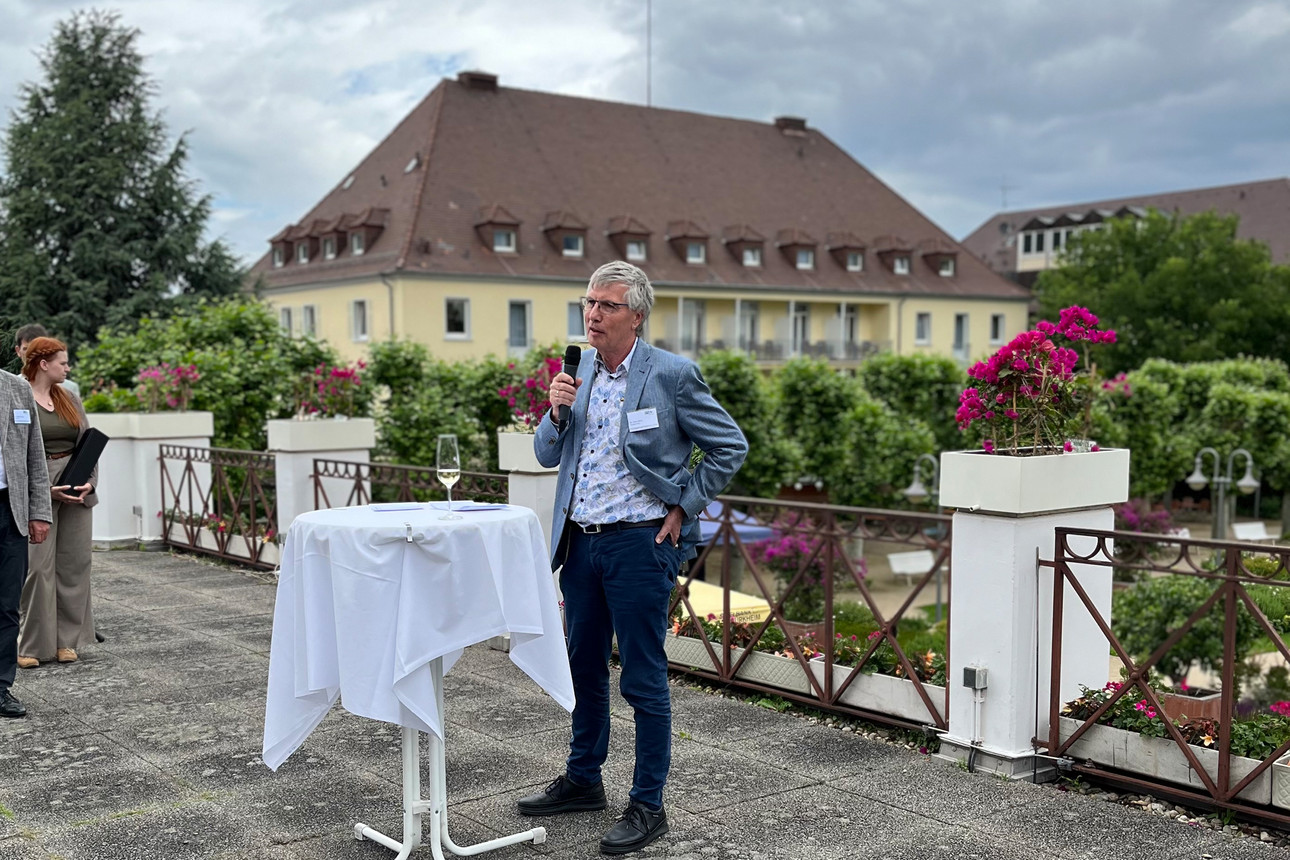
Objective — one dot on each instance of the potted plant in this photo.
(1027, 405)
(786, 556)
(529, 402)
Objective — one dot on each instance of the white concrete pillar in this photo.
(1001, 603)
(129, 479)
(295, 444)
(530, 484)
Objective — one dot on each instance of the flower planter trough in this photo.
(1161, 759)
(883, 693)
(782, 672)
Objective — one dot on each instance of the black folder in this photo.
(84, 456)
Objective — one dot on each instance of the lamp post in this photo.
(916, 492)
(1222, 480)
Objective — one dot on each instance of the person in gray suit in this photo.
(626, 517)
(25, 515)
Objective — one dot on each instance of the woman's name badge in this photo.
(23, 416)
(642, 419)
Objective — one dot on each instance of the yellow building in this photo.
(474, 226)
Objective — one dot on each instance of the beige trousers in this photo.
(56, 596)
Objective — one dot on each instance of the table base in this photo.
(414, 805)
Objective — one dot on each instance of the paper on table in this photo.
(469, 506)
(398, 506)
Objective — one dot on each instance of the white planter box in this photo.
(688, 651)
(884, 693)
(782, 672)
(238, 545)
(154, 425)
(1160, 758)
(324, 434)
(515, 454)
(1281, 783)
(994, 483)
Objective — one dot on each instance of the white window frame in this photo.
(516, 349)
(946, 268)
(503, 247)
(998, 325)
(752, 256)
(799, 328)
(356, 244)
(1039, 241)
(286, 320)
(637, 250)
(329, 248)
(360, 322)
(302, 252)
(309, 320)
(805, 259)
(923, 328)
(456, 335)
(900, 265)
(696, 253)
(576, 252)
(855, 261)
(1028, 242)
(574, 312)
(278, 257)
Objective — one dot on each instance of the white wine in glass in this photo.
(448, 468)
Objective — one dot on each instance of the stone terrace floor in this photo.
(149, 748)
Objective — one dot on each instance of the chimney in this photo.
(790, 124)
(478, 81)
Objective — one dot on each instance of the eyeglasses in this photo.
(607, 307)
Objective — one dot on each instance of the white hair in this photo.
(640, 294)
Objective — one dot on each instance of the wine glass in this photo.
(448, 468)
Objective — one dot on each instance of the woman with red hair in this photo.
(56, 616)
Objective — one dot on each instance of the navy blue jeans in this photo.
(619, 582)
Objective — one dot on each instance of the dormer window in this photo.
(572, 246)
(629, 237)
(503, 241)
(329, 248)
(946, 268)
(278, 257)
(696, 253)
(356, 244)
(900, 265)
(689, 241)
(566, 233)
(798, 248)
(302, 251)
(855, 261)
(752, 257)
(636, 250)
(744, 244)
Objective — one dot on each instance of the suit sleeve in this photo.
(40, 506)
(714, 432)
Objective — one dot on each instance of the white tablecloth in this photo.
(361, 613)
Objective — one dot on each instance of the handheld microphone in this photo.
(572, 356)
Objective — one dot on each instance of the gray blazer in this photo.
(688, 415)
(24, 454)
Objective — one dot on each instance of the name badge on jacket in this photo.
(23, 416)
(642, 419)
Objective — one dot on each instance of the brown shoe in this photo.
(65, 655)
(27, 662)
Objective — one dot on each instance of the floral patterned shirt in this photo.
(605, 492)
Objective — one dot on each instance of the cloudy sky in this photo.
(954, 103)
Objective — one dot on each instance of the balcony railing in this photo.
(220, 501)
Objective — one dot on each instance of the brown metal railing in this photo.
(831, 532)
(362, 483)
(221, 502)
(1225, 564)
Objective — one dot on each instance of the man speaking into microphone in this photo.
(626, 517)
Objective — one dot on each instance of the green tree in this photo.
(1180, 288)
(98, 222)
(814, 400)
(923, 387)
(251, 369)
(740, 388)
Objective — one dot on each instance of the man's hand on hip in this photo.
(671, 526)
(37, 531)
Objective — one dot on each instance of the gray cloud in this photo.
(945, 101)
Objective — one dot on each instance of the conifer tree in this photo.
(98, 222)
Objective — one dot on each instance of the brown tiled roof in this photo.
(563, 220)
(844, 239)
(1263, 207)
(518, 155)
(741, 233)
(794, 236)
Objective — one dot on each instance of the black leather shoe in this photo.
(562, 795)
(637, 828)
(9, 706)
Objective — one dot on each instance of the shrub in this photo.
(773, 459)
(249, 365)
(920, 387)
